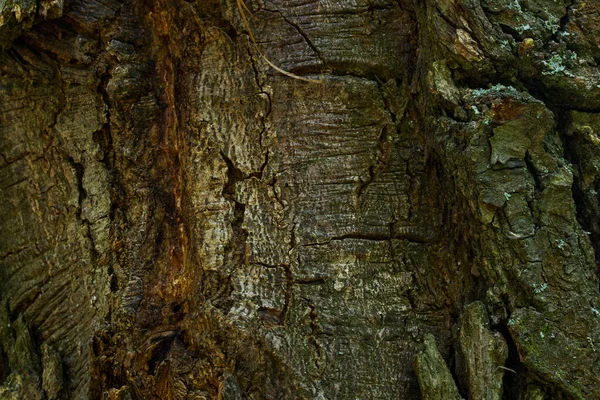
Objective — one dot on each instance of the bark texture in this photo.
(178, 220)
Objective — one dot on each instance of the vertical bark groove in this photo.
(181, 221)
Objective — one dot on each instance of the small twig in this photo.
(507, 369)
(241, 6)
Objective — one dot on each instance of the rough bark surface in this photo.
(178, 220)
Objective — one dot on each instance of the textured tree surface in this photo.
(178, 220)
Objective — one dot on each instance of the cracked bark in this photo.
(179, 221)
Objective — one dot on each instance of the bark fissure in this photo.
(180, 221)
(303, 34)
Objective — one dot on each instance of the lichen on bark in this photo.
(179, 220)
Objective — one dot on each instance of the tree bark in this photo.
(181, 220)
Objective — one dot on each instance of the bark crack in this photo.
(14, 252)
(412, 233)
(236, 249)
(263, 117)
(564, 20)
(8, 162)
(381, 162)
(303, 34)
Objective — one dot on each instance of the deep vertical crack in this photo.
(263, 117)
(236, 249)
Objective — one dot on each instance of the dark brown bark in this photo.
(181, 221)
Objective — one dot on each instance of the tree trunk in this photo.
(405, 207)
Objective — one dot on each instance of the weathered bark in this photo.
(435, 380)
(181, 221)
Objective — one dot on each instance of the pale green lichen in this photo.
(496, 90)
(515, 5)
(539, 288)
(552, 23)
(523, 28)
(555, 65)
(570, 55)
